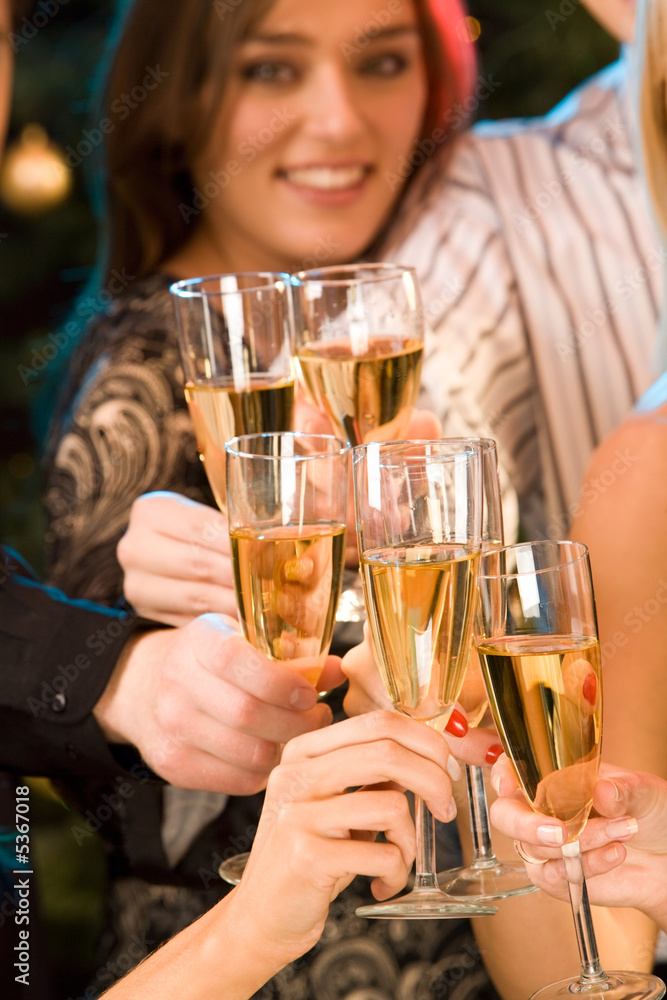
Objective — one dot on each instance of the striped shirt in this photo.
(540, 268)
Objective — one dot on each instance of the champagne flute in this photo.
(287, 505)
(236, 342)
(538, 644)
(359, 339)
(486, 877)
(419, 518)
(235, 335)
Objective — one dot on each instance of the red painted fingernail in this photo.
(589, 688)
(458, 724)
(493, 753)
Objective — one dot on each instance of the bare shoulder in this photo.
(636, 450)
(624, 492)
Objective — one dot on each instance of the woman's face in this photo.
(617, 16)
(324, 105)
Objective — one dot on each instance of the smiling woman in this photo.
(321, 103)
(279, 137)
(255, 92)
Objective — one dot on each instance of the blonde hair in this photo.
(652, 40)
(652, 94)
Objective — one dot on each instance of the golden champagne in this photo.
(219, 412)
(545, 695)
(369, 396)
(287, 582)
(419, 603)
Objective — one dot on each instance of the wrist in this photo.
(268, 937)
(263, 955)
(113, 710)
(658, 913)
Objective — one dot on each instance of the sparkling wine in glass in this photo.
(419, 519)
(287, 504)
(236, 342)
(486, 877)
(538, 644)
(359, 340)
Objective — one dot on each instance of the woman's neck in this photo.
(204, 253)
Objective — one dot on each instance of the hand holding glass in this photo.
(419, 518)
(486, 878)
(538, 644)
(287, 501)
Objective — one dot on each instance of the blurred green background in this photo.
(45, 260)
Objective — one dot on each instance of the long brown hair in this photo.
(148, 152)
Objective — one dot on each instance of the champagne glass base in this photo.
(493, 881)
(616, 986)
(232, 869)
(424, 904)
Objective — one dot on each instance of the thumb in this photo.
(503, 778)
(332, 676)
(642, 796)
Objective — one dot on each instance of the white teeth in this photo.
(326, 178)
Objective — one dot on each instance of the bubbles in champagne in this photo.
(368, 397)
(219, 412)
(287, 582)
(545, 695)
(419, 604)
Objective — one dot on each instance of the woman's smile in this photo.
(338, 113)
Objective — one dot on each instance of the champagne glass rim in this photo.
(485, 443)
(192, 288)
(442, 447)
(578, 553)
(236, 446)
(370, 272)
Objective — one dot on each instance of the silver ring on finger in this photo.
(528, 858)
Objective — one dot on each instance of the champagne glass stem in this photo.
(483, 855)
(591, 969)
(425, 877)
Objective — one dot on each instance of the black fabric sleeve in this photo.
(56, 658)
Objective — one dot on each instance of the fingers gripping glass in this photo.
(419, 517)
(486, 878)
(538, 645)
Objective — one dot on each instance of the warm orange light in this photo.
(34, 176)
(470, 29)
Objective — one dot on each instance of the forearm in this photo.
(57, 657)
(217, 957)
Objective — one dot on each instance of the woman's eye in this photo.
(268, 72)
(390, 64)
